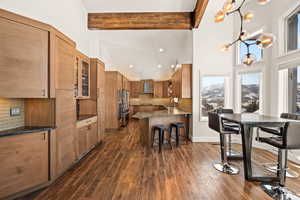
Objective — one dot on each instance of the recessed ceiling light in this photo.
(172, 66)
(161, 50)
(130, 66)
(159, 66)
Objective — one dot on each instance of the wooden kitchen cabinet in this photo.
(113, 83)
(182, 82)
(23, 60)
(65, 131)
(166, 89)
(126, 84)
(24, 162)
(135, 89)
(64, 64)
(158, 91)
(99, 68)
(87, 136)
(147, 86)
(82, 75)
(92, 137)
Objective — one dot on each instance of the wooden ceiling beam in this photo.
(199, 12)
(138, 21)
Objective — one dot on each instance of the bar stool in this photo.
(289, 140)
(161, 132)
(178, 126)
(215, 123)
(229, 126)
(272, 167)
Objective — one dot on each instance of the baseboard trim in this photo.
(205, 139)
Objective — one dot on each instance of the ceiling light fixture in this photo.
(265, 40)
(130, 66)
(161, 50)
(159, 66)
(172, 66)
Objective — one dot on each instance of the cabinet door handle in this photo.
(43, 92)
(44, 136)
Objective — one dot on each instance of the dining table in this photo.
(248, 122)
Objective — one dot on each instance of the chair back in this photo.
(214, 118)
(224, 111)
(291, 135)
(290, 116)
(214, 121)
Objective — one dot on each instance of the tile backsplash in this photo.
(6, 121)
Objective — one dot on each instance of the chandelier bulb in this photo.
(266, 40)
(263, 2)
(248, 16)
(249, 59)
(220, 16)
(228, 6)
(225, 47)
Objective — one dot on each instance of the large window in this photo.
(254, 49)
(289, 84)
(212, 94)
(250, 89)
(293, 31)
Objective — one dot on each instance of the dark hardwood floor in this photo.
(121, 169)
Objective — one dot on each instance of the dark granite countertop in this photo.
(24, 130)
(170, 111)
(84, 117)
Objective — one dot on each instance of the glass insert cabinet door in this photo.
(81, 78)
(85, 76)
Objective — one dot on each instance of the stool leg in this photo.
(153, 137)
(177, 136)
(160, 140)
(186, 134)
(170, 138)
(282, 158)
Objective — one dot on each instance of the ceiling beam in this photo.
(138, 21)
(199, 12)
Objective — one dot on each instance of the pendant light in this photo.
(265, 40)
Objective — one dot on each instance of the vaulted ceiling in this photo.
(104, 6)
(140, 48)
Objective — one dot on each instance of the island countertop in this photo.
(169, 111)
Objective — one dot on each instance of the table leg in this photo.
(247, 135)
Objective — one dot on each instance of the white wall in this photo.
(209, 60)
(68, 16)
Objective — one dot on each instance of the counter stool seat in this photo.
(178, 126)
(161, 131)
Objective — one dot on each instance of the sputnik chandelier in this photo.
(265, 40)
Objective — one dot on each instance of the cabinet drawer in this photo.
(24, 162)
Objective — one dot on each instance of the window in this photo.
(250, 92)
(212, 94)
(293, 31)
(254, 49)
(289, 84)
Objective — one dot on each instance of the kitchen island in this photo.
(165, 117)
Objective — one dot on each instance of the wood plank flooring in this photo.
(122, 169)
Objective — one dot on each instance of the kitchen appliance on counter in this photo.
(123, 102)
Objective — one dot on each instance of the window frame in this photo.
(227, 91)
(288, 15)
(238, 97)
